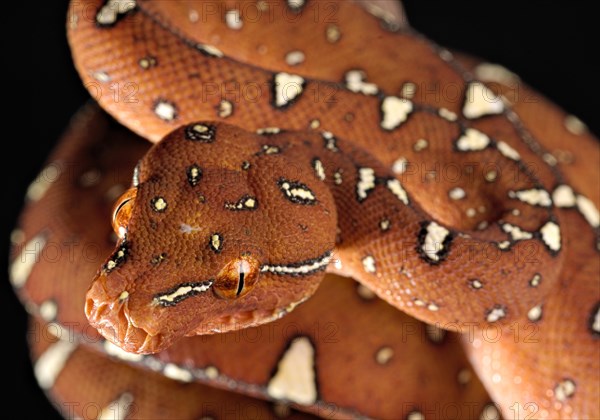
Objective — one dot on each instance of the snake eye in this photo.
(237, 278)
(122, 212)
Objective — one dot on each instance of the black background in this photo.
(550, 47)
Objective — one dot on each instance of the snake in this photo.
(469, 230)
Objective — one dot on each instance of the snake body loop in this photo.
(298, 141)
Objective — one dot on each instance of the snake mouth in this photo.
(111, 317)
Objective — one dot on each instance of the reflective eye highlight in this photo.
(122, 212)
(237, 278)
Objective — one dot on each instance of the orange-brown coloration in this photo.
(350, 379)
(122, 212)
(237, 278)
(488, 247)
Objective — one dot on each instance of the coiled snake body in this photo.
(281, 162)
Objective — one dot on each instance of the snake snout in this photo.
(109, 314)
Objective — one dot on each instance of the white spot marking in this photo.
(470, 212)
(420, 144)
(596, 323)
(550, 159)
(165, 111)
(507, 151)
(17, 236)
(535, 280)
(173, 371)
(395, 111)
(315, 265)
(48, 310)
(21, 267)
(433, 244)
(319, 169)
(330, 141)
(101, 76)
(396, 188)
(489, 72)
(356, 82)
(51, 363)
(295, 377)
(211, 372)
(287, 88)
(433, 307)
(564, 389)
(268, 130)
(491, 176)
(366, 182)
(233, 19)
(476, 284)
(400, 165)
(516, 233)
(563, 196)
(225, 108)
(448, 115)
(534, 197)
(119, 353)
(574, 125)
(108, 14)
(472, 140)
(480, 101)
(185, 228)
(384, 225)
(384, 355)
(333, 34)
(368, 263)
(588, 210)
(503, 245)
(415, 415)
(446, 55)
(535, 313)
(193, 15)
(210, 50)
(496, 314)
(42, 182)
(298, 192)
(118, 409)
(408, 90)
(295, 4)
(337, 177)
(293, 58)
(551, 236)
(457, 193)
(159, 204)
(184, 291)
(215, 242)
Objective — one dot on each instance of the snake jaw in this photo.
(111, 317)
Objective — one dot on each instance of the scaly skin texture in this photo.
(484, 245)
(143, 47)
(177, 241)
(347, 368)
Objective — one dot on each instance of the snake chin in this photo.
(243, 319)
(113, 321)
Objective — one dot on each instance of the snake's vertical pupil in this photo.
(122, 212)
(237, 278)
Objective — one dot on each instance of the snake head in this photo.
(220, 231)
